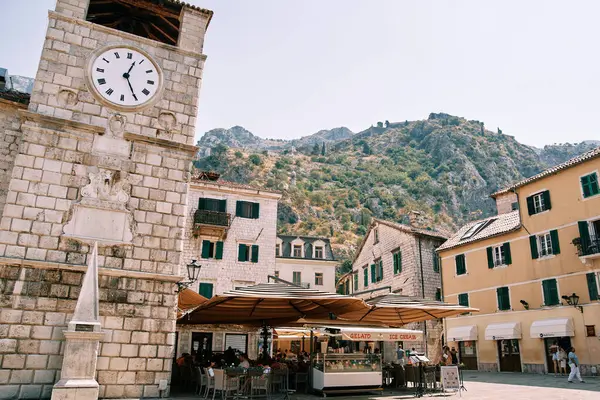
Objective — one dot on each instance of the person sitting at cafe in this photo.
(244, 363)
(181, 360)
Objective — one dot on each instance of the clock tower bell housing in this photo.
(84, 170)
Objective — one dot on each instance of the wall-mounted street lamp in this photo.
(193, 270)
(525, 304)
(573, 300)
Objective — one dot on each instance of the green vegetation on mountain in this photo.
(445, 167)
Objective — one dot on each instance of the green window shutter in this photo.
(366, 276)
(503, 298)
(254, 253)
(238, 208)
(205, 248)
(589, 184)
(219, 251)
(555, 242)
(530, 206)
(461, 267)
(490, 257)
(380, 270)
(438, 294)
(592, 286)
(507, 255)
(463, 299)
(355, 282)
(594, 184)
(202, 203)
(436, 262)
(546, 197)
(395, 262)
(550, 292)
(242, 249)
(373, 274)
(533, 246)
(584, 236)
(206, 290)
(255, 210)
(399, 262)
(222, 205)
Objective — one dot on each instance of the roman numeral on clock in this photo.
(146, 92)
(108, 62)
(109, 91)
(129, 55)
(99, 69)
(141, 61)
(101, 81)
(117, 55)
(150, 82)
(149, 71)
(122, 97)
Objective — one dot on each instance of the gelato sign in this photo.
(382, 336)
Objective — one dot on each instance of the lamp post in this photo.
(573, 300)
(193, 270)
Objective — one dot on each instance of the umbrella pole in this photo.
(310, 365)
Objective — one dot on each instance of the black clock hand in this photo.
(132, 92)
(130, 68)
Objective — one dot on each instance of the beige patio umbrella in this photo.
(397, 310)
(272, 304)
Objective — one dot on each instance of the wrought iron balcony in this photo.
(214, 218)
(591, 247)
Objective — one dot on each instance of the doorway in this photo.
(563, 342)
(202, 347)
(509, 355)
(467, 354)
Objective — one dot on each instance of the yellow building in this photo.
(532, 270)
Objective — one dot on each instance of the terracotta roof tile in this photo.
(553, 170)
(222, 182)
(502, 223)
(412, 229)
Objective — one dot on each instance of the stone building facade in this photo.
(85, 171)
(306, 261)
(399, 259)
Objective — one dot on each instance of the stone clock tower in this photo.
(101, 154)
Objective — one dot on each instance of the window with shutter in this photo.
(463, 299)
(373, 273)
(554, 241)
(503, 298)
(355, 282)
(589, 185)
(436, 262)
(366, 276)
(545, 245)
(397, 257)
(533, 245)
(585, 241)
(206, 290)
(243, 252)
(438, 294)
(538, 202)
(254, 253)
(507, 255)
(498, 255)
(550, 290)
(592, 286)
(246, 209)
(379, 270)
(461, 267)
(219, 251)
(206, 249)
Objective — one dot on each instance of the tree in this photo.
(380, 124)
(499, 131)
(482, 129)
(323, 150)
(387, 123)
(316, 149)
(366, 148)
(255, 159)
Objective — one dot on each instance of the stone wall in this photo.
(10, 138)
(227, 273)
(37, 304)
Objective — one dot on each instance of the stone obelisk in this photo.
(83, 334)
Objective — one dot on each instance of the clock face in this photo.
(125, 77)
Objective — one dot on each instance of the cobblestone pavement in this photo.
(492, 386)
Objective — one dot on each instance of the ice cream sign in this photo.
(382, 336)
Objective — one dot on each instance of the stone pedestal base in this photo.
(75, 389)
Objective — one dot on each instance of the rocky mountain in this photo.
(445, 167)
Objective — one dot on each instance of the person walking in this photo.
(574, 364)
(562, 361)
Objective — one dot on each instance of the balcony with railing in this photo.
(211, 223)
(589, 247)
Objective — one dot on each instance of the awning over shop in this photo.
(462, 333)
(188, 301)
(506, 330)
(380, 334)
(555, 327)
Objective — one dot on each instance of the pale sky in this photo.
(285, 69)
